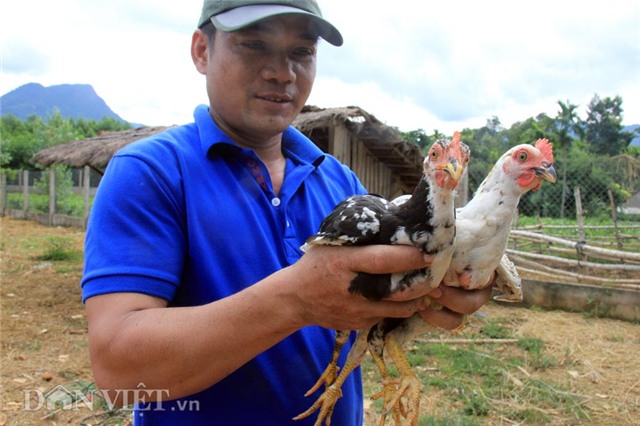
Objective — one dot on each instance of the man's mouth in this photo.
(277, 99)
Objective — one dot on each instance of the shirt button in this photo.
(275, 202)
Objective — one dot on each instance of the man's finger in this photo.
(461, 300)
(442, 318)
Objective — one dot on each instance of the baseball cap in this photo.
(234, 15)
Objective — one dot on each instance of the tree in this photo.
(419, 137)
(530, 130)
(22, 139)
(487, 144)
(567, 124)
(59, 130)
(604, 126)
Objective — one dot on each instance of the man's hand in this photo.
(323, 275)
(456, 303)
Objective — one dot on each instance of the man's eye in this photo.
(254, 45)
(304, 52)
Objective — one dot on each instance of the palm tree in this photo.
(568, 124)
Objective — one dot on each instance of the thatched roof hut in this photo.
(385, 163)
(94, 152)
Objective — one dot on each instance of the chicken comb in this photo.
(545, 147)
(456, 138)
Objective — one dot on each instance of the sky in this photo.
(428, 65)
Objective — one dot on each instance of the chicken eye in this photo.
(435, 152)
(522, 156)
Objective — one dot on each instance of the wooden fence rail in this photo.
(554, 259)
(581, 247)
(51, 218)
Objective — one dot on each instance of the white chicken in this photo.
(482, 231)
(483, 225)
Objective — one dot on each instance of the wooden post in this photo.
(86, 184)
(515, 223)
(3, 192)
(340, 144)
(52, 194)
(614, 217)
(581, 235)
(25, 192)
(462, 193)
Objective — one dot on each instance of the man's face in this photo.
(259, 78)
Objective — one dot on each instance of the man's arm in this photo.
(135, 338)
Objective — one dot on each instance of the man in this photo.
(199, 300)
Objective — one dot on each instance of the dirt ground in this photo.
(44, 340)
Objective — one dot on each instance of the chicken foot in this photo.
(408, 385)
(327, 401)
(388, 391)
(330, 373)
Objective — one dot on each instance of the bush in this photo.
(58, 248)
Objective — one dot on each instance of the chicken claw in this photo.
(327, 401)
(329, 375)
(408, 385)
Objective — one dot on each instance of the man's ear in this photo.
(200, 51)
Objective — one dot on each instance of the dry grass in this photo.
(597, 358)
(588, 372)
(44, 344)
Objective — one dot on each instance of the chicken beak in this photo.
(454, 169)
(547, 172)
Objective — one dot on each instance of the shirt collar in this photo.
(296, 145)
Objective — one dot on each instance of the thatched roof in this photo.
(95, 152)
(383, 141)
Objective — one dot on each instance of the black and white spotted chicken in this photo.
(426, 221)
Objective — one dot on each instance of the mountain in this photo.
(632, 129)
(71, 100)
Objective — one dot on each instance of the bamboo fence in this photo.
(606, 255)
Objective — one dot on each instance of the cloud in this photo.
(444, 65)
(20, 57)
(468, 61)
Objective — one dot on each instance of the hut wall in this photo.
(373, 174)
(397, 189)
(376, 176)
(340, 143)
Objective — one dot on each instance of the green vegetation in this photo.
(71, 205)
(495, 328)
(59, 248)
(595, 227)
(598, 231)
(593, 154)
(22, 139)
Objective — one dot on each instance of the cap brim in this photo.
(242, 17)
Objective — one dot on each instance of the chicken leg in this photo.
(388, 390)
(408, 385)
(327, 401)
(329, 374)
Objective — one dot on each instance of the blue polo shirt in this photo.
(189, 216)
